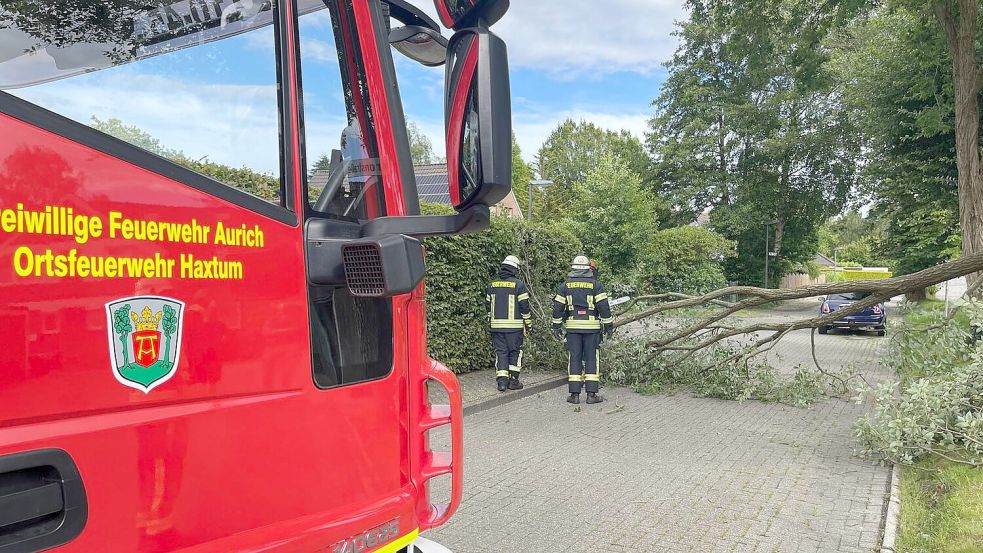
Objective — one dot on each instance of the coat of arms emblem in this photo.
(144, 339)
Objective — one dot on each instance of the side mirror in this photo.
(420, 44)
(457, 14)
(478, 119)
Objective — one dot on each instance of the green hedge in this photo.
(458, 271)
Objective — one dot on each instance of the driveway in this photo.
(672, 472)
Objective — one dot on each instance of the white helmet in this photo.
(511, 261)
(581, 262)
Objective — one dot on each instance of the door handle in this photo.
(42, 501)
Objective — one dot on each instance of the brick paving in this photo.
(672, 472)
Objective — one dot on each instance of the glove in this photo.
(557, 334)
(608, 330)
(526, 327)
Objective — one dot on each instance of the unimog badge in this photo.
(144, 340)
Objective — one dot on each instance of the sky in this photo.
(599, 61)
(591, 60)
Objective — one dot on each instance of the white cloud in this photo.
(575, 38)
(230, 124)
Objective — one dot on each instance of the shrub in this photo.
(683, 259)
(937, 405)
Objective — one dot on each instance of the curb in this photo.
(893, 511)
(513, 395)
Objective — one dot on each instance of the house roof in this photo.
(431, 183)
(823, 261)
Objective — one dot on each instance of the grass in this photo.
(941, 508)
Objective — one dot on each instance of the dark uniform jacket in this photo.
(507, 302)
(581, 303)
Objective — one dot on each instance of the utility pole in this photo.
(767, 249)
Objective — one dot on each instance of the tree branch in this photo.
(887, 287)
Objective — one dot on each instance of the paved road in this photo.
(671, 473)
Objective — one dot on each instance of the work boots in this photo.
(514, 383)
(593, 397)
(574, 399)
(503, 383)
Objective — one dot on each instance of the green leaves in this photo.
(937, 407)
(121, 320)
(169, 321)
(749, 124)
(684, 259)
(572, 152)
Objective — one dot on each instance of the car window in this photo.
(849, 296)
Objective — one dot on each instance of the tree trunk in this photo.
(917, 295)
(779, 237)
(961, 38)
(722, 159)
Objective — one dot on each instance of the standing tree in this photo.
(572, 150)
(893, 70)
(959, 22)
(421, 149)
(617, 218)
(749, 124)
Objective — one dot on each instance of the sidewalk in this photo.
(480, 392)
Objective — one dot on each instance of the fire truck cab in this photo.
(212, 314)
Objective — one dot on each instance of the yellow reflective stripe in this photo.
(503, 372)
(514, 368)
(609, 320)
(601, 297)
(592, 377)
(590, 302)
(511, 306)
(394, 546)
(570, 303)
(506, 324)
(523, 296)
(556, 321)
(527, 315)
(576, 378)
(559, 299)
(574, 323)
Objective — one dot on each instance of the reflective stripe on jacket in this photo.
(581, 303)
(507, 302)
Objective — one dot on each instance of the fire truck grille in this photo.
(363, 270)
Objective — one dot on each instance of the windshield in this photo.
(850, 296)
(44, 41)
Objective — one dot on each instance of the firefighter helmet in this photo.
(581, 262)
(511, 261)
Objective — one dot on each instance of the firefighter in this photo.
(581, 305)
(507, 302)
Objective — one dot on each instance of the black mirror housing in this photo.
(457, 14)
(381, 267)
(478, 108)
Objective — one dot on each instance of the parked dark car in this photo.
(872, 318)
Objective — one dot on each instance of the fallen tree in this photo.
(711, 329)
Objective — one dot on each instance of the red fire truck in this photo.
(212, 316)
